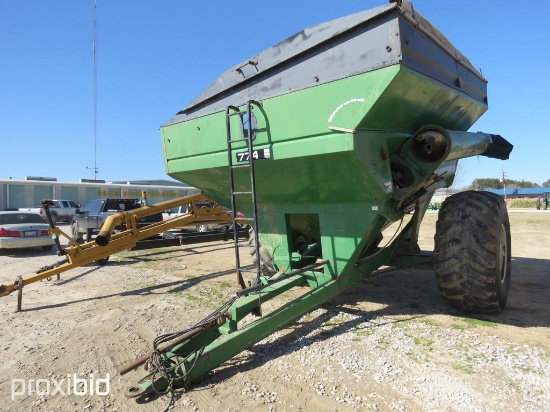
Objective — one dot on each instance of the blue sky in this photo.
(154, 57)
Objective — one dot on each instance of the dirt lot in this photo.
(388, 343)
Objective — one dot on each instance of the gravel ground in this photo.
(388, 344)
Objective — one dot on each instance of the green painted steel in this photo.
(332, 154)
(309, 123)
(210, 349)
(305, 132)
(340, 160)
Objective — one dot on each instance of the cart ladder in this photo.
(243, 160)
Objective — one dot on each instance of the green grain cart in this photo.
(323, 141)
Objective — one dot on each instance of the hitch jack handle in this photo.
(46, 203)
(19, 285)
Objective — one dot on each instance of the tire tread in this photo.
(466, 251)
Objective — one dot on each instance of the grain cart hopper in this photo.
(324, 140)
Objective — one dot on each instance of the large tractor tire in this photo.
(472, 253)
(266, 265)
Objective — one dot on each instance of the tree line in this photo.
(495, 183)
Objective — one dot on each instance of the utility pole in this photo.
(95, 169)
(503, 180)
(94, 51)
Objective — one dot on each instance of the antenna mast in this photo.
(504, 183)
(94, 47)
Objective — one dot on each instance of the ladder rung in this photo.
(235, 143)
(236, 113)
(247, 270)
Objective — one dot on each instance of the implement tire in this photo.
(102, 261)
(472, 253)
(266, 261)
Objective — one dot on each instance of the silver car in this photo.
(24, 230)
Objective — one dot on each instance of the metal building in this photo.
(31, 191)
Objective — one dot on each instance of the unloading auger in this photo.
(324, 140)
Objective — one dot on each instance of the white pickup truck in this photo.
(182, 210)
(60, 210)
(204, 226)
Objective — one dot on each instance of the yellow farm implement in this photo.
(121, 232)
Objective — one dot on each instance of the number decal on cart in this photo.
(259, 154)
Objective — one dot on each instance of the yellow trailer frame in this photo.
(109, 241)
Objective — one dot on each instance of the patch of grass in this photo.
(411, 355)
(528, 369)
(322, 332)
(383, 343)
(471, 323)
(360, 333)
(408, 334)
(523, 203)
(462, 368)
(400, 319)
(401, 322)
(427, 342)
(308, 317)
(333, 322)
(426, 321)
(513, 385)
(474, 322)
(209, 297)
(430, 322)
